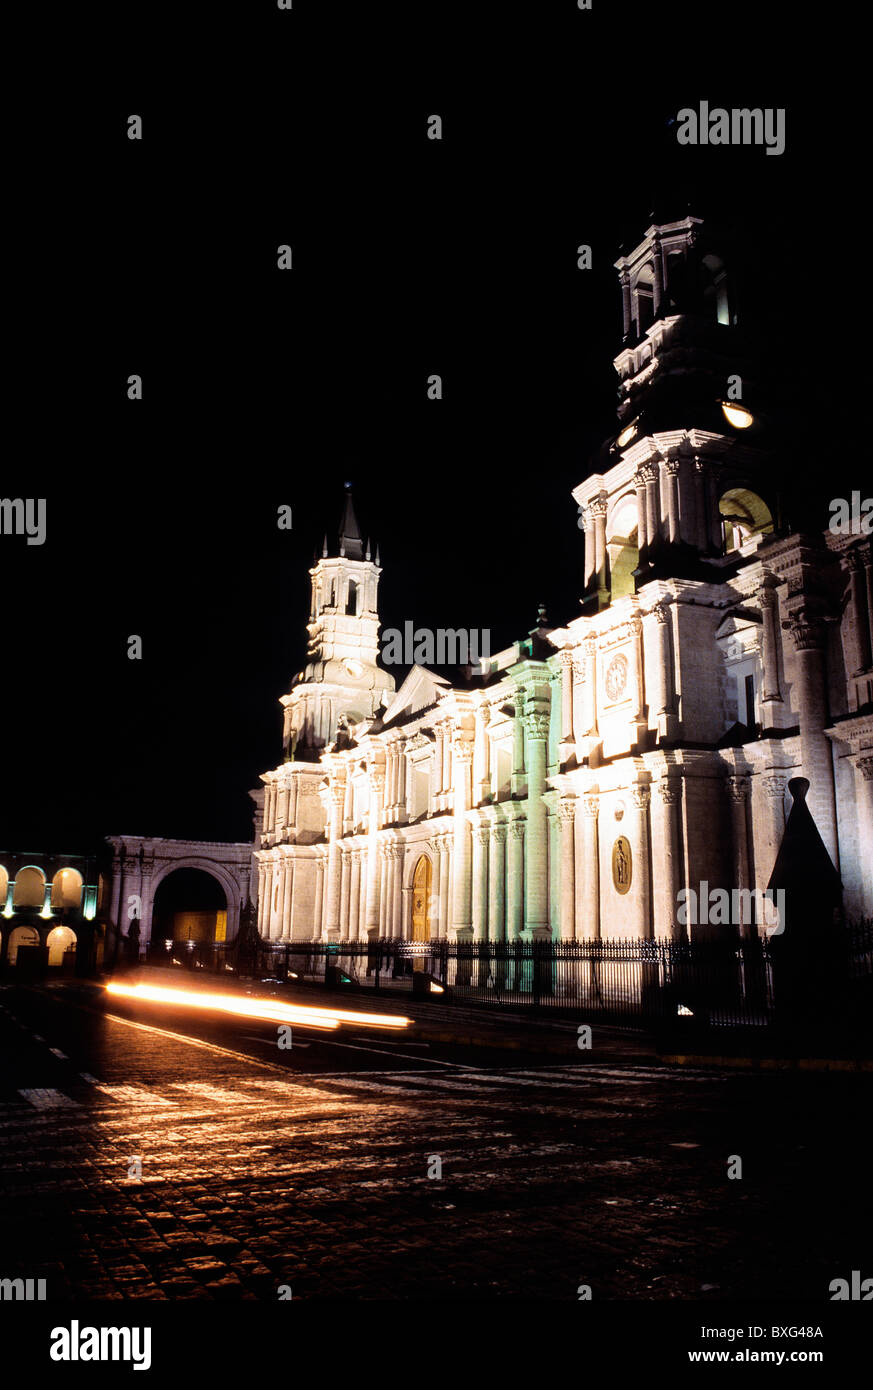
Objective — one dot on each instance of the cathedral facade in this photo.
(584, 782)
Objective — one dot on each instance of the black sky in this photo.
(262, 388)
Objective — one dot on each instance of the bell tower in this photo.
(679, 490)
(342, 683)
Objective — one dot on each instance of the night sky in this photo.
(264, 387)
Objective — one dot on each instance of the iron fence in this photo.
(729, 983)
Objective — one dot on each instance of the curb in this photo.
(845, 1064)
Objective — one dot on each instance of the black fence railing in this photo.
(732, 983)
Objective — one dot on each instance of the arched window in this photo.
(644, 299)
(352, 599)
(622, 547)
(715, 292)
(67, 888)
(29, 888)
(744, 514)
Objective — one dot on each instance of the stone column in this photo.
(461, 907)
(636, 689)
(858, 607)
(332, 904)
(447, 763)
(701, 537)
(401, 780)
(591, 861)
(115, 899)
(653, 507)
(769, 647)
(319, 900)
(287, 898)
(345, 887)
(480, 883)
(396, 914)
(774, 791)
(355, 896)
(590, 550)
(515, 885)
(262, 894)
(277, 901)
(665, 679)
(362, 906)
(496, 884)
(642, 871)
(536, 839)
(642, 515)
(445, 874)
(293, 803)
(589, 692)
(384, 891)
(566, 660)
(657, 275)
(671, 488)
(377, 786)
(481, 782)
(670, 789)
(864, 786)
(518, 737)
(598, 507)
(625, 302)
(807, 631)
(567, 820)
(738, 791)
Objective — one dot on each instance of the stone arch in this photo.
(743, 514)
(4, 885)
(67, 887)
(29, 890)
(414, 852)
(643, 291)
(59, 941)
(20, 935)
(622, 544)
(222, 875)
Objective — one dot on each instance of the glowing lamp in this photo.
(737, 415)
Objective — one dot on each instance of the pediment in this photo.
(421, 690)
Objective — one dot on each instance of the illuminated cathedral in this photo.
(593, 777)
(573, 785)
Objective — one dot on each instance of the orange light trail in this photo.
(265, 1009)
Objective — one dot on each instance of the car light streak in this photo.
(266, 1009)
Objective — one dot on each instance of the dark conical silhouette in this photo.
(350, 543)
(803, 869)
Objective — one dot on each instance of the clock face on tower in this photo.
(616, 677)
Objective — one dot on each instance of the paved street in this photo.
(309, 1168)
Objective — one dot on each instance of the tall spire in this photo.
(350, 543)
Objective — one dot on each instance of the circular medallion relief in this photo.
(616, 677)
(622, 864)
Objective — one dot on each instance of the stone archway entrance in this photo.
(61, 942)
(20, 936)
(189, 906)
(140, 865)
